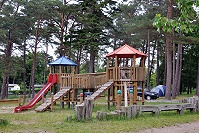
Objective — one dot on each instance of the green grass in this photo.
(57, 122)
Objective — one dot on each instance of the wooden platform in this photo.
(101, 90)
(47, 104)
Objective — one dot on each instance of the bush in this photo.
(3, 122)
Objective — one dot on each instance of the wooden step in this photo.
(101, 90)
(45, 105)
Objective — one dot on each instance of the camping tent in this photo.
(160, 89)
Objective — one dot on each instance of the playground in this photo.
(125, 68)
(64, 100)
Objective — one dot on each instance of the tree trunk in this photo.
(62, 48)
(158, 64)
(35, 58)
(8, 51)
(169, 54)
(79, 54)
(169, 66)
(197, 87)
(165, 69)
(3, 89)
(175, 71)
(178, 70)
(92, 62)
(149, 64)
(24, 66)
(152, 61)
(46, 62)
(148, 50)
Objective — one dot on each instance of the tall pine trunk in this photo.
(169, 54)
(178, 84)
(78, 60)
(5, 73)
(177, 76)
(158, 64)
(149, 62)
(197, 87)
(24, 66)
(174, 80)
(169, 66)
(92, 62)
(35, 58)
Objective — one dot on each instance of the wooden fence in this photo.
(191, 104)
(89, 80)
(131, 73)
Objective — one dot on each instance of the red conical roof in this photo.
(126, 51)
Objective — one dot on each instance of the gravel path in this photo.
(192, 127)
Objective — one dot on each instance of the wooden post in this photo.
(43, 97)
(81, 98)
(24, 99)
(19, 99)
(89, 108)
(131, 96)
(113, 95)
(118, 99)
(50, 69)
(80, 112)
(101, 115)
(73, 96)
(142, 93)
(116, 67)
(84, 111)
(107, 69)
(125, 95)
(109, 99)
(52, 95)
(135, 93)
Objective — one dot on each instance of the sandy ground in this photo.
(192, 127)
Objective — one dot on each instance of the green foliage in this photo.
(189, 70)
(185, 22)
(153, 80)
(3, 122)
(167, 25)
(40, 67)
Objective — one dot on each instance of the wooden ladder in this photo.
(101, 90)
(57, 96)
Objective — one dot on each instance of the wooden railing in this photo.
(94, 80)
(131, 73)
(89, 80)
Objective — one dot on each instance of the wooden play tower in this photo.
(126, 66)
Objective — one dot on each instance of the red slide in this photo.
(51, 81)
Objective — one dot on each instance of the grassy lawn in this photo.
(57, 122)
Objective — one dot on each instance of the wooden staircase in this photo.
(47, 104)
(101, 90)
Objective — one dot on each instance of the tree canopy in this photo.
(86, 30)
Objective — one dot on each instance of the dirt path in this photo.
(192, 127)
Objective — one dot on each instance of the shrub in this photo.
(3, 122)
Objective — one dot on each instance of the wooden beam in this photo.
(107, 69)
(116, 67)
